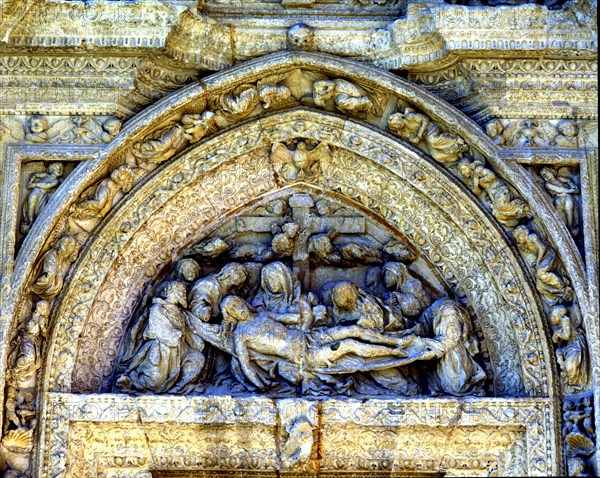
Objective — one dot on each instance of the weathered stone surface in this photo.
(285, 238)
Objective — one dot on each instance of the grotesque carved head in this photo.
(300, 37)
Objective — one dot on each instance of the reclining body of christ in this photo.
(260, 340)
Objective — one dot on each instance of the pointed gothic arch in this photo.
(198, 181)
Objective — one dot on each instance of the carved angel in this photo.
(347, 97)
(551, 284)
(527, 133)
(37, 127)
(495, 130)
(97, 200)
(111, 128)
(196, 126)
(299, 163)
(508, 210)
(171, 139)
(568, 134)
(420, 130)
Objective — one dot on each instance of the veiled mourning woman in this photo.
(456, 372)
(279, 290)
(156, 365)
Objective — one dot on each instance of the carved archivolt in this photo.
(173, 187)
(397, 187)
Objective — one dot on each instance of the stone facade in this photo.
(298, 238)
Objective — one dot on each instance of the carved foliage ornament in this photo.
(274, 92)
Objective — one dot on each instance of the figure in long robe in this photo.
(456, 372)
(156, 365)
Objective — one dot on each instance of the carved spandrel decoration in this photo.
(289, 320)
(72, 130)
(528, 133)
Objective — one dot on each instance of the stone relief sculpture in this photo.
(560, 184)
(484, 182)
(568, 134)
(37, 130)
(25, 361)
(171, 139)
(300, 162)
(550, 282)
(54, 267)
(534, 134)
(572, 353)
(41, 185)
(580, 433)
(298, 445)
(346, 96)
(457, 373)
(72, 130)
(418, 129)
(239, 103)
(291, 322)
(156, 365)
(96, 201)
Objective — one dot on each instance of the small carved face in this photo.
(32, 327)
(291, 229)
(557, 314)
(124, 178)
(397, 122)
(521, 234)
(175, 293)
(300, 37)
(67, 245)
(547, 174)
(188, 269)
(345, 295)
(56, 169)
(112, 126)
(233, 275)
(494, 128)
(38, 124)
(323, 91)
(464, 168)
(272, 283)
(393, 275)
(235, 308)
(568, 128)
